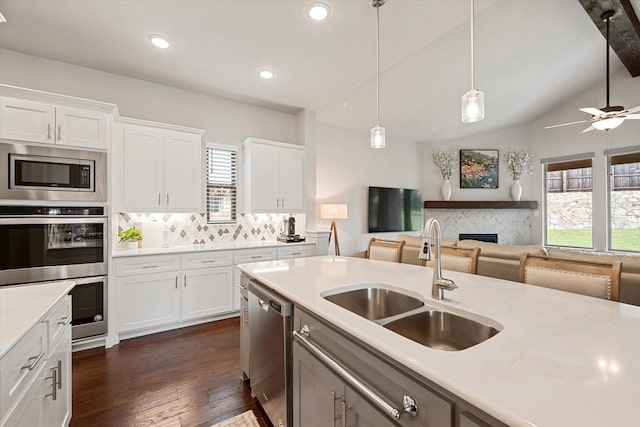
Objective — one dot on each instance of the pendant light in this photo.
(473, 100)
(377, 132)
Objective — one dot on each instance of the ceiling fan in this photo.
(609, 117)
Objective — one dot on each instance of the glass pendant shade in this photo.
(472, 106)
(608, 124)
(377, 137)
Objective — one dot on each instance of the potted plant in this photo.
(516, 163)
(130, 237)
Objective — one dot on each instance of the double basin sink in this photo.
(410, 317)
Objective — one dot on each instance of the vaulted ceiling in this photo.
(531, 55)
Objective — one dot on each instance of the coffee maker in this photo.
(288, 234)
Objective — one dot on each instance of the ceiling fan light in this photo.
(472, 106)
(377, 137)
(608, 124)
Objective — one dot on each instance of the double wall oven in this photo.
(40, 242)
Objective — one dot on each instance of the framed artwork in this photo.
(479, 168)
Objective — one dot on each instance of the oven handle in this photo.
(52, 220)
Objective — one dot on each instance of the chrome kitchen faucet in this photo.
(439, 283)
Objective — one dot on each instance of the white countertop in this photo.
(561, 359)
(204, 247)
(24, 305)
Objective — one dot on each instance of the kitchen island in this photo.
(559, 359)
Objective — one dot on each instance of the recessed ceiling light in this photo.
(267, 74)
(318, 11)
(159, 41)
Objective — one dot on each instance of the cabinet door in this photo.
(26, 120)
(183, 184)
(264, 190)
(29, 411)
(291, 180)
(141, 168)
(206, 292)
(147, 300)
(81, 128)
(361, 413)
(317, 392)
(57, 403)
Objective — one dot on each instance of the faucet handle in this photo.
(425, 253)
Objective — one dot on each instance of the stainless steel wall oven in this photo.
(40, 244)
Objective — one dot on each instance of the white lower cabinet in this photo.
(148, 300)
(35, 374)
(207, 292)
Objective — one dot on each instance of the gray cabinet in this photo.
(322, 391)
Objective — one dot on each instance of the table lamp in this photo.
(333, 212)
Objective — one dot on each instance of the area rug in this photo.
(248, 419)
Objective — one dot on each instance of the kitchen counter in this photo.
(22, 306)
(561, 359)
(204, 247)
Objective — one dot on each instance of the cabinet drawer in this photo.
(144, 265)
(254, 255)
(57, 321)
(21, 364)
(207, 259)
(295, 251)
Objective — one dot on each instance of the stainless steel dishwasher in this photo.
(270, 352)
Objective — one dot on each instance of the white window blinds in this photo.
(221, 184)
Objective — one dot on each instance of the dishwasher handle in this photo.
(269, 300)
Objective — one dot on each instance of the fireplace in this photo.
(483, 237)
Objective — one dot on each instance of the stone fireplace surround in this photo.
(513, 226)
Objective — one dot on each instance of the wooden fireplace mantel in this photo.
(479, 204)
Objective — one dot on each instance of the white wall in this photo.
(515, 138)
(346, 166)
(569, 140)
(225, 121)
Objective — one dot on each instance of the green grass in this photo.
(622, 239)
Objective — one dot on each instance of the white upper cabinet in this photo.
(160, 168)
(34, 116)
(273, 176)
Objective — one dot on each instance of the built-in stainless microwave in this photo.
(29, 172)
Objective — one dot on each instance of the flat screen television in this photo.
(394, 209)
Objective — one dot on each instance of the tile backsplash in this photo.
(192, 228)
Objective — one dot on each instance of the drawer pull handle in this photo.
(34, 361)
(296, 253)
(256, 257)
(59, 374)
(209, 261)
(49, 131)
(149, 266)
(59, 132)
(54, 383)
(65, 320)
(409, 404)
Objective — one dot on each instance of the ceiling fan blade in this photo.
(589, 129)
(632, 117)
(593, 111)
(566, 124)
(633, 109)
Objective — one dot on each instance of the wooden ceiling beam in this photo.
(624, 37)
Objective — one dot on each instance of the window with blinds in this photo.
(569, 202)
(624, 198)
(222, 174)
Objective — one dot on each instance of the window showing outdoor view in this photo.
(625, 202)
(570, 204)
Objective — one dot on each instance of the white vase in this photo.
(132, 244)
(516, 190)
(445, 190)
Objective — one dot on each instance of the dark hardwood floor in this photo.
(185, 377)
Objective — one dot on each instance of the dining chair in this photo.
(385, 250)
(598, 279)
(457, 259)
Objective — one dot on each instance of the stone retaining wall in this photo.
(574, 210)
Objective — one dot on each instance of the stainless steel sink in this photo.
(442, 330)
(375, 303)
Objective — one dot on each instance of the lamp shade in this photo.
(607, 124)
(337, 211)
